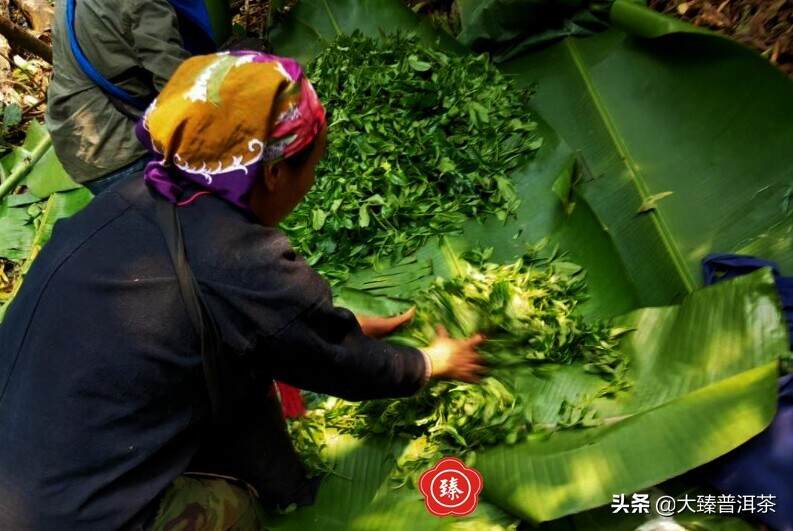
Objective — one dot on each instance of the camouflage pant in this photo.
(208, 504)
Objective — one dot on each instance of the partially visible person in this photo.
(137, 361)
(135, 45)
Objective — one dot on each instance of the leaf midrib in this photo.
(333, 20)
(656, 218)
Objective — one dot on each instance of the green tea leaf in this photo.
(405, 162)
(318, 217)
(363, 216)
(527, 309)
(417, 65)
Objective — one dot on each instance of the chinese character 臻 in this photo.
(449, 489)
(706, 504)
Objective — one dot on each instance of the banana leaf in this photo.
(16, 214)
(48, 177)
(506, 28)
(16, 232)
(704, 381)
(15, 165)
(359, 496)
(34, 165)
(27, 218)
(659, 156)
(311, 24)
(663, 114)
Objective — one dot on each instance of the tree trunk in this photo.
(39, 14)
(21, 38)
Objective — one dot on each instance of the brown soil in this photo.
(765, 25)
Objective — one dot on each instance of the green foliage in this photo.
(11, 117)
(528, 311)
(48, 177)
(695, 396)
(418, 142)
(609, 97)
(35, 192)
(16, 231)
(34, 221)
(506, 28)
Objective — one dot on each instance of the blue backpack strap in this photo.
(89, 70)
(198, 35)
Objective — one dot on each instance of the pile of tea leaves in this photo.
(418, 142)
(527, 310)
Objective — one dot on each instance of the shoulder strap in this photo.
(112, 90)
(168, 220)
(199, 21)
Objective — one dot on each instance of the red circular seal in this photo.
(451, 488)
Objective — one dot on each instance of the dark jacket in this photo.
(102, 398)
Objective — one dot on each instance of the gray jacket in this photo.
(91, 137)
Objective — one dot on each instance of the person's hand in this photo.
(455, 359)
(378, 327)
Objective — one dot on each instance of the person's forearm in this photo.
(377, 370)
(327, 352)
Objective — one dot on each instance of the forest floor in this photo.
(23, 79)
(765, 25)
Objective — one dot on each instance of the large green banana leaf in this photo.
(506, 28)
(34, 165)
(313, 23)
(684, 137)
(359, 496)
(704, 381)
(645, 117)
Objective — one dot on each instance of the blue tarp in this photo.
(764, 465)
